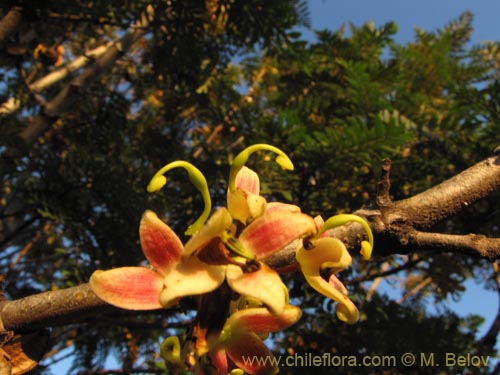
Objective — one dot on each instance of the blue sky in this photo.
(428, 15)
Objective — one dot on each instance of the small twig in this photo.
(376, 282)
(384, 185)
(26, 248)
(392, 271)
(14, 104)
(416, 290)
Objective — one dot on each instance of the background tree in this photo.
(97, 97)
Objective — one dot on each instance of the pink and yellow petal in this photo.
(190, 277)
(218, 359)
(274, 230)
(247, 180)
(215, 363)
(261, 321)
(346, 310)
(279, 206)
(244, 349)
(160, 244)
(244, 202)
(264, 285)
(220, 221)
(132, 288)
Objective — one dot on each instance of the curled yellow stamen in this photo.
(240, 160)
(339, 220)
(196, 178)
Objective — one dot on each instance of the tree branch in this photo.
(392, 227)
(397, 225)
(13, 104)
(52, 308)
(446, 199)
(470, 244)
(70, 94)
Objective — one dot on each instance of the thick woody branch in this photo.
(446, 199)
(397, 226)
(52, 308)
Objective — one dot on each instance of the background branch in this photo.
(13, 104)
(71, 93)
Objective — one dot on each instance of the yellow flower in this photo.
(319, 253)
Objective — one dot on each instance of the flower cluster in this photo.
(241, 299)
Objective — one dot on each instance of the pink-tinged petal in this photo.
(160, 244)
(261, 321)
(264, 285)
(248, 180)
(335, 283)
(250, 354)
(277, 206)
(132, 288)
(346, 310)
(219, 361)
(215, 364)
(274, 230)
(244, 202)
(190, 277)
(327, 252)
(319, 223)
(220, 221)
